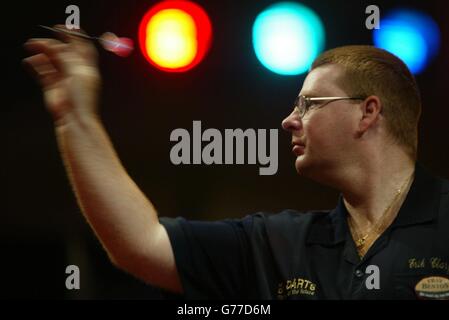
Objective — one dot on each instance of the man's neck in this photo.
(374, 187)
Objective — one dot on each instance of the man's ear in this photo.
(371, 110)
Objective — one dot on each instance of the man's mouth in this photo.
(298, 148)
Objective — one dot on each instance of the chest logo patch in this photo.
(433, 288)
(295, 287)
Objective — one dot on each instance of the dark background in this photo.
(42, 230)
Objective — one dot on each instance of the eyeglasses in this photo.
(303, 104)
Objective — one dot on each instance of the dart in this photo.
(108, 40)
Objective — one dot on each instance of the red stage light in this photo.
(175, 35)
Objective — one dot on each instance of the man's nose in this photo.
(292, 122)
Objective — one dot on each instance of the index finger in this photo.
(81, 44)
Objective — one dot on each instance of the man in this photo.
(354, 127)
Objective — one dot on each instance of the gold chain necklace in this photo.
(361, 241)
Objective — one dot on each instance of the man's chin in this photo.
(306, 167)
(314, 169)
(301, 165)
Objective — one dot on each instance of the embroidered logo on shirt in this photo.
(295, 287)
(433, 288)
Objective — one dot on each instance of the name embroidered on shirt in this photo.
(438, 263)
(433, 263)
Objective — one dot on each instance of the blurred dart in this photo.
(120, 46)
(109, 41)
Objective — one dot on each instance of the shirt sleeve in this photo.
(211, 257)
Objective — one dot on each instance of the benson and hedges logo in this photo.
(433, 288)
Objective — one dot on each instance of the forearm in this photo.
(122, 217)
(120, 214)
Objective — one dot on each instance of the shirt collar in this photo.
(423, 200)
(420, 206)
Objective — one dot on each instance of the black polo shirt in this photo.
(311, 255)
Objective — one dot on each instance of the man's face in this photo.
(322, 138)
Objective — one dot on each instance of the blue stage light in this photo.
(411, 35)
(287, 37)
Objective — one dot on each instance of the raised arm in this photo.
(122, 217)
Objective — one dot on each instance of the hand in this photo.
(68, 73)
